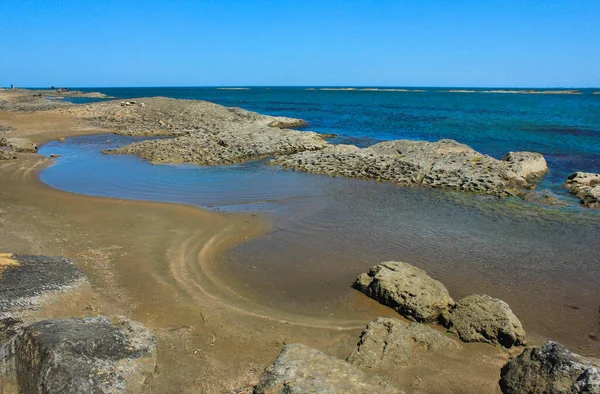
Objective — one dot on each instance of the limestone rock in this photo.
(442, 164)
(92, 355)
(550, 369)
(407, 289)
(19, 144)
(301, 369)
(586, 186)
(527, 164)
(7, 153)
(481, 318)
(389, 343)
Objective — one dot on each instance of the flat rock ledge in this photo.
(92, 355)
(301, 369)
(481, 318)
(443, 164)
(389, 343)
(586, 186)
(550, 369)
(407, 289)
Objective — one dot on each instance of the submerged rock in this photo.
(301, 369)
(550, 369)
(481, 318)
(443, 164)
(407, 289)
(586, 186)
(389, 343)
(19, 144)
(92, 355)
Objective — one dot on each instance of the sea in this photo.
(543, 261)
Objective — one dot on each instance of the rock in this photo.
(528, 165)
(545, 197)
(407, 289)
(301, 369)
(7, 153)
(19, 144)
(389, 343)
(443, 164)
(62, 139)
(550, 369)
(586, 186)
(92, 355)
(25, 280)
(54, 155)
(481, 318)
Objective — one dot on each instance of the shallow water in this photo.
(542, 261)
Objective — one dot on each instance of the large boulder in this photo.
(550, 369)
(407, 289)
(301, 369)
(481, 318)
(19, 144)
(92, 355)
(527, 164)
(389, 343)
(586, 186)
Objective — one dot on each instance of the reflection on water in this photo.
(543, 261)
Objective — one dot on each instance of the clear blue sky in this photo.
(311, 42)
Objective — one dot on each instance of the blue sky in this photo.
(338, 43)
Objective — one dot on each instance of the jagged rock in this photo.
(527, 164)
(407, 289)
(7, 153)
(586, 186)
(92, 355)
(25, 280)
(481, 318)
(19, 144)
(443, 164)
(301, 369)
(550, 369)
(389, 343)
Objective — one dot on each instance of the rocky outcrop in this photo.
(26, 280)
(481, 318)
(550, 369)
(92, 355)
(407, 289)
(389, 343)
(7, 153)
(586, 186)
(443, 164)
(300, 369)
(19, 144)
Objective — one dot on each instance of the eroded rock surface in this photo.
(443, 164)
(19, 144)
(407, 289)
(481, 318)
(586, 186)
(7, 153)
(301, 369)
(92, 355)
(550, 369)
(389, 343)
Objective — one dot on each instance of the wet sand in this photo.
(158, 263)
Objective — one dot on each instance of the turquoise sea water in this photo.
(543, 261)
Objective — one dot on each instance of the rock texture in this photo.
(300, 369)
(585, 186)
(443, 164)
(389, 343)
(550, 369)
(92, 355)
(407, 289)
(481, 318)
(7, 153)
(19, 144)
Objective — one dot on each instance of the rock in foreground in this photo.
(300, 369)
(90, 355)
(389, 343)
(586, 186)
(19, 144)
(7, 153)
(407, 289)
(443, 164)
(550, 369)
(481, 318)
